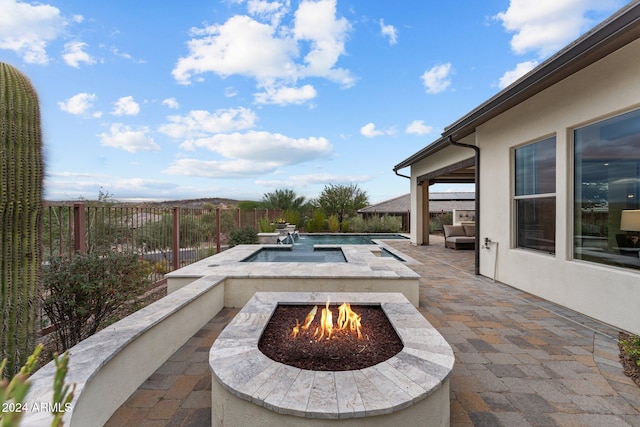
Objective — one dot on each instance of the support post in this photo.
(426, 216)
(218, 230)
(79, 228)
(176, 238)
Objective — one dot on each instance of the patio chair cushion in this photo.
(453, 231)
(459, 237)
(470, 230)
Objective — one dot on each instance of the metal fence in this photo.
(169, 238)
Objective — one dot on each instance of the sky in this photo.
(165, 100)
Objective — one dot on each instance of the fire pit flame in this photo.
(347, 320)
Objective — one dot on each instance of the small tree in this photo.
(81, 293)
(283, 200)
(342, 201)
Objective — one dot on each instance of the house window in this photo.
(607, 181)
(535, 196)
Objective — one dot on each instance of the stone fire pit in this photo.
(410, 388)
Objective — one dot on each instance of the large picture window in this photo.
(607, 198)
(535, 196)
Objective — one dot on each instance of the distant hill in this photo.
(187, 203)
(196, 203)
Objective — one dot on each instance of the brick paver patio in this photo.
(520, 360)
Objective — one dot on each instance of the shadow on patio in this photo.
(520, 360)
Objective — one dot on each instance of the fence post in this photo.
(176, 238)
(79, 228)
(238, 215)
(217, 230)
(255, 218)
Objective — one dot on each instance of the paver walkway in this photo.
(520, 360)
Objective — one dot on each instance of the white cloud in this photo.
(248, 154)
(286, 95)
(272, 148)
(271, 53)
(228, 169)
(437, 79)
(125, 138)
(272, 11)
(513, 75)
(417, 127)
(78, 104)
(389, 31)
(125, 55)
(126, 106)
(27, 28)
(171, 103)
(239, 46)
(546, 26)
(301, 181)
(74, 54)
(369, 130)
(316, 22)
(199, 123)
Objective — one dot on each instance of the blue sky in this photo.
(236, 98)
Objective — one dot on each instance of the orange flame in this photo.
(306, 324)
(347, 320)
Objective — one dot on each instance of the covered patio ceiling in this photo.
(463, 172)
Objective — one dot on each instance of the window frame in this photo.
(516, 198)
(575, 169)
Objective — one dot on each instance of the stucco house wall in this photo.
(437, 161)
(607, 88)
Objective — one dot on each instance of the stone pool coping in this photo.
(418, 371)
(364, 271)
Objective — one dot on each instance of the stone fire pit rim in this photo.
(420, 369)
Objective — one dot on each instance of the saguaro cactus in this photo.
(21, 177)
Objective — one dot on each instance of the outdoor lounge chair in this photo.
(459, 236)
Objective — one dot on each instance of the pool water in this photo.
(341, 239)
(286, 254)
(303, 249)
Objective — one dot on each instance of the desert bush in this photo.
(317, 222)
(265, 225)
(354, 225)
(291, 216)
(383, 224)
(333, 223)
(243, 236)
(438, 220)
(81, 293)
(631, 345)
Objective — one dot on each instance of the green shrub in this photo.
(292, 217)
(383, 224)
(438, 220)
(334, 224)
(82, 293)
(265, 225)
(243, 236)
(631, 346)
(317, 222)
(355, 224)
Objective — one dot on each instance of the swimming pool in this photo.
(288, 254)
(303, 248)
(341, 239)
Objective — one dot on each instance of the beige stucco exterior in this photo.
(606, 88)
